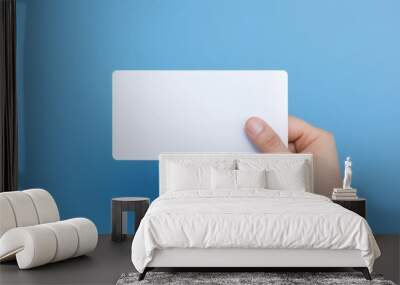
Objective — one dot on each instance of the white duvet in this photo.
(250, 219)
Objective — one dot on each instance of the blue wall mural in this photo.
(342, 58)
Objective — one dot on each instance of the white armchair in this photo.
(31, 230)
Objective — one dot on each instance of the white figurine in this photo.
(347, 173)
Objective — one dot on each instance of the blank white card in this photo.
(158, 111)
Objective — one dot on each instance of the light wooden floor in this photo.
(110, 260)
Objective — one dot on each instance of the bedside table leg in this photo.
(140, 211)
(124, 223)
(116, 222)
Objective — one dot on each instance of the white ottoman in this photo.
(33, 243)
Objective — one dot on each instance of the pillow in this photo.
(293, 178)
(223, 179)
(188, 177)
(236, 179)
(193, 174)
(282, 174)
(251, 178)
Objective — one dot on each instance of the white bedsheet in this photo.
(250, 218)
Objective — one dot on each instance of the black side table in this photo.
(120, 206)
(357, 205)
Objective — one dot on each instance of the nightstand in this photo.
(357, 205)
(120, 207)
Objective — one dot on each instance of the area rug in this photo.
(269, 278)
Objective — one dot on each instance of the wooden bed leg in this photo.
(364, 271)
(143, 274)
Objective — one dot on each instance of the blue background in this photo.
(342, 57)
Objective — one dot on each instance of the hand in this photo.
(303, 138)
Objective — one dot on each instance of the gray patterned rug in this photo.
(269, 278)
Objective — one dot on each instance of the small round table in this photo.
(120, 206)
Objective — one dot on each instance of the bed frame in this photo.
(246, 259)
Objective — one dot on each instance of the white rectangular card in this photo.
(158, 111)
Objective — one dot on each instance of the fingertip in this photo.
(263, 136)
(254, 126)
(252, 119)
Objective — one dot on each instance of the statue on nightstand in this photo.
(347, 173)
(347, 192)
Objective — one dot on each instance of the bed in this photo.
(241, 211)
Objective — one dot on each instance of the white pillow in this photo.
(236, 179)
(282, 174)
(293, 178)
(223, 179)
(193, 174)
(251, 178)
(187, 177)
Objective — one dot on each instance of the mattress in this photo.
(250, 219)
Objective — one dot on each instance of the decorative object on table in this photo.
(342, 194)
(248, 278)
(347, 192)
(120, 207)
(357, 205)
(32, 233)
(347, 174)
